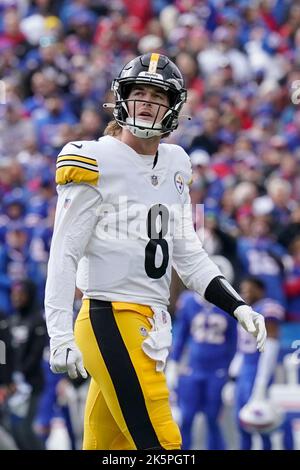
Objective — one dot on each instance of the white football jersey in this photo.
(126, 223)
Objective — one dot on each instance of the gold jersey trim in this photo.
(76, 173)
(78, 158)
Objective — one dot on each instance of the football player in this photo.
(256, 371)
(207, 336)
(123, 220)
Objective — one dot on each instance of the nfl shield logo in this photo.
(154, 180)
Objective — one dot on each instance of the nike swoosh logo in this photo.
(78, 146)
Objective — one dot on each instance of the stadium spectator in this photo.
(205, 339)
(255, 372)
(28, 341)
(292, 282)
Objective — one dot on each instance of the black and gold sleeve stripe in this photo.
(71, 168)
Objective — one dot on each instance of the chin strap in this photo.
(139, 128)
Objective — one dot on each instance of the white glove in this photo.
(252, 322)
(67, 358)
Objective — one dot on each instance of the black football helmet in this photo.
(156, 70)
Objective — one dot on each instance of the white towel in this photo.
(159, 339)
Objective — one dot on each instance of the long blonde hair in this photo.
(112, 128)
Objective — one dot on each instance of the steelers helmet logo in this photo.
(179, 182)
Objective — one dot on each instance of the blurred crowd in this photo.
(241, 64)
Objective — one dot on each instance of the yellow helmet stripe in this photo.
(153, 62)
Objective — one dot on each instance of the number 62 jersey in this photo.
(126, 223)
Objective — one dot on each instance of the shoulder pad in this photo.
(74, 166)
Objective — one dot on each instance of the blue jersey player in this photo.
(208, 337)
(256, 370)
